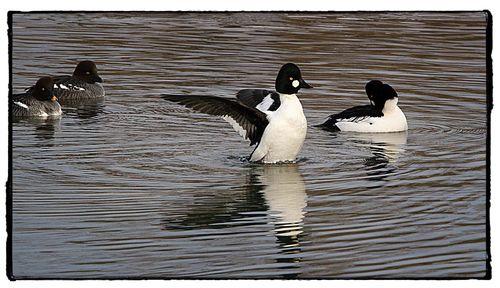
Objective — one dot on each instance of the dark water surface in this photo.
(134, 186)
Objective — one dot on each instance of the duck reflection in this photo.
(222, 210)
(277, 191)
(45, 128)
(83, 108)
(285, 197)
(386, 149)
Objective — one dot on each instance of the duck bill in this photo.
(97, 79)
(303, 84)
(54, 98)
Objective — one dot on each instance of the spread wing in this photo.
(247, 121)
(263, 100)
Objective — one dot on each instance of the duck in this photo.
(274, 121)
(85, 83)
(382, 115)
(37, 102)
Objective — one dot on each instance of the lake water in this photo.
(135, 186)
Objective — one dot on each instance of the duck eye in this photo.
(291, 78)
(43, 89)
(88, 73)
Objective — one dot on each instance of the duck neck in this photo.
(288, 97)
(390, 105)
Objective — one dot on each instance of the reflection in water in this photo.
(217, 212)
(222, 210)
(277, 189)
(84, 108)
(285, 195)
(386, 149)
(45, 128)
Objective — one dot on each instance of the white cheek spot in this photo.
(295, 83)
(21, 105)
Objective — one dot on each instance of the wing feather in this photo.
(355, 114)
(247, 121)
(263, 100)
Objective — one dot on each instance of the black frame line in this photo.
(489, 107)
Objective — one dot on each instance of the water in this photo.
(134, 186)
